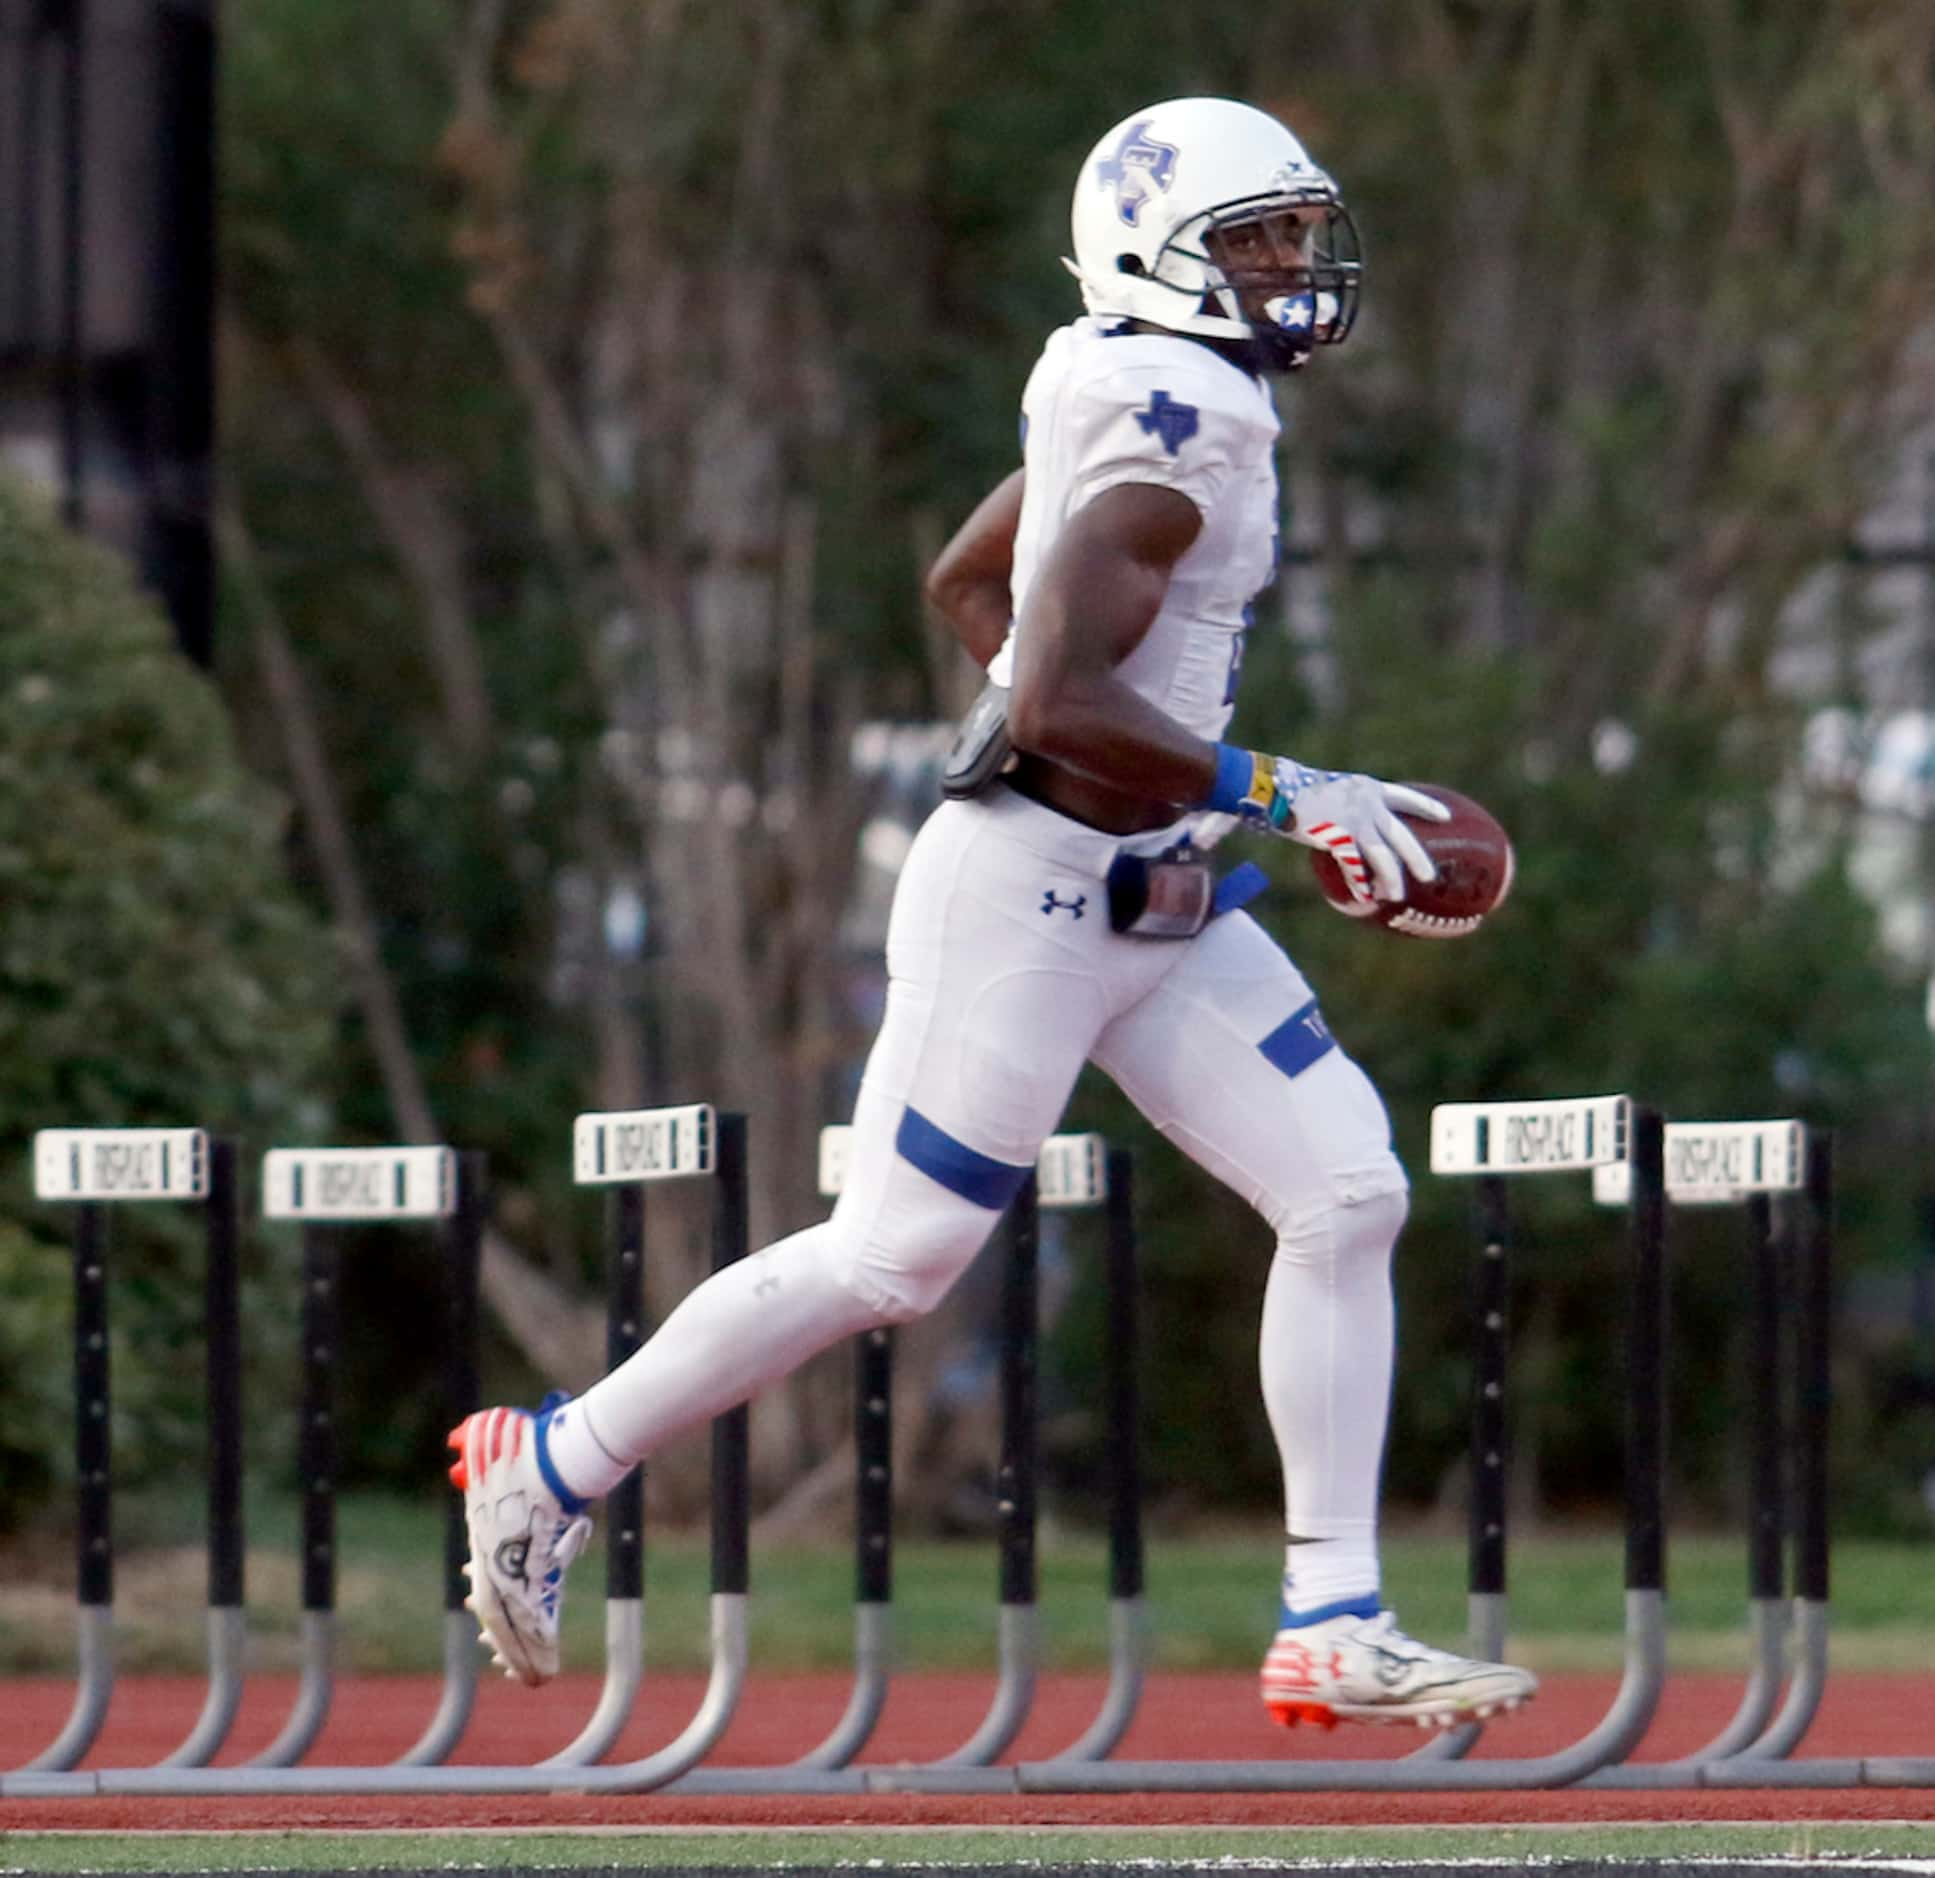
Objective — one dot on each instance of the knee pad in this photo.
(908, 1259)
(1355, 1228)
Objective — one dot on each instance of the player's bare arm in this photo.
(1092, 746)
(968, 585)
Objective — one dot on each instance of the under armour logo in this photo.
(1049, 903)
(1292, 1664)
(1142, 167)
(1173, 422)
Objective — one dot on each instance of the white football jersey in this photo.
(1104, 407)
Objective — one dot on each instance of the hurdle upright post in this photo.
(461, 1245)
(624, 1336)
(222, 1360)
(873, 1523)
(1122, 1400)
(1767, 1426)
(320, 1336)
(1490, 1428)
(625, 1503)
(1766, 1491)
(1490, 1455)
(1018, 1618)
(94, 1523)
(1813, 1389)
(1816, 1375)
(97, 1167)
(1645, 1364)
(731, 1432)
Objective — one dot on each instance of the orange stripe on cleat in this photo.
(497, 1434)
(1289, 1714)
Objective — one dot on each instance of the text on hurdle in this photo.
(1717, 1163)
(644, 1144)
(121, 1164)
(359, 1183)
(1566, 1135)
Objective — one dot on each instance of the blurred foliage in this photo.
(1642, 950)
(156, 969)
(1641, 277)
(592, 345)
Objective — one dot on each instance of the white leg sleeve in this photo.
(1326, 1367)
(1003, 969)
(743, 1328)
(1231, 1059)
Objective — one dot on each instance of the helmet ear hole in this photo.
(1129, 264)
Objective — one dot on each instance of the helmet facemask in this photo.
(1287, 267)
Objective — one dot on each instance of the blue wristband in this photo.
(1235, 780)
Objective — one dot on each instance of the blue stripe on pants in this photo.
(1299, 1040)
(959, 1168)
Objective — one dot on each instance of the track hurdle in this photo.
(624, 1145)
(325, 1189)
(627, 1152)
(873, 1448)
(95, 1168)
(1762, 1763)
(1747, 1164)
(1122, 1406)
(1072, 1172)
(1543, 1142)
(1487, 1141)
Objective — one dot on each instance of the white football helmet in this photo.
(1155, 189)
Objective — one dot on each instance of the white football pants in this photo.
(1004, 978)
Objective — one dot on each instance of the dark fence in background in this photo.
(107, 271)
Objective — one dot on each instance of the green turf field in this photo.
(1211, 1598)
(730, 1848)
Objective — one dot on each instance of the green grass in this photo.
(1212, 1597)
(733, 1848)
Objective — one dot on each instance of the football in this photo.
(1473, 856)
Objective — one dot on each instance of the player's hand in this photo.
(1355, 819)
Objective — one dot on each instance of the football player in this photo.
(1062, 907)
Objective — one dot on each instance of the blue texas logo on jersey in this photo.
(1174, 422)
(1142, 167)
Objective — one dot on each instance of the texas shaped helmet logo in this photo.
(1142, 167)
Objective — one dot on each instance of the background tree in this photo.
(600, 373)
(156, 969)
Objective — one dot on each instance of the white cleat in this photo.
(521, 1540)
(1366, 1669)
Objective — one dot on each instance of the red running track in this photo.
(1182, 1717)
